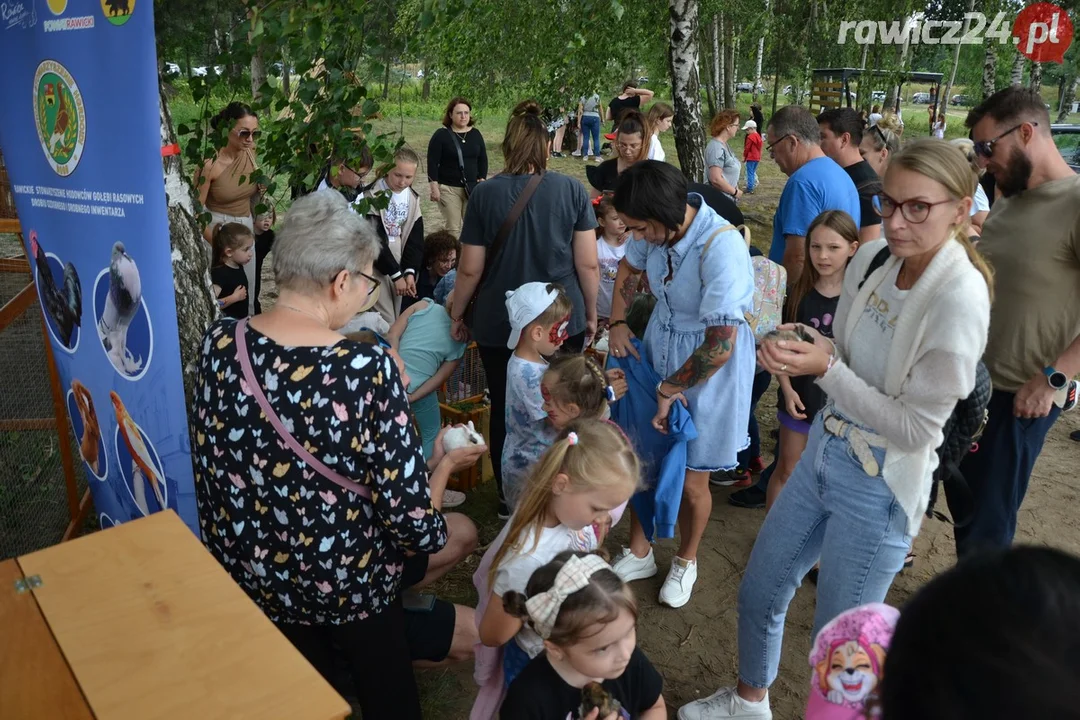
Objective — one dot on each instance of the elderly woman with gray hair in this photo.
(311, 483)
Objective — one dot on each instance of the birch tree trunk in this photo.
(862, 61)
(686, 88)
(956, 58)
(760, 56)
(718, 60)
(989, 75)
(286, 77)
(710, 67)
(195, 304)
(1036, 76)
(729, 61)
(1016, 77)
(258, 73)
(1068, 99)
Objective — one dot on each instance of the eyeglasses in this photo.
(249, 134)
(629, 148)
(985, 148)
(769, 148)
(914, 211)
(372, 282)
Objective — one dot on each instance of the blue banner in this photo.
(81, 139)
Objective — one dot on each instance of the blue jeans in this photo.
(761, 384)
(751, 175)
(998, 474)
(830, 510)
(590, 124)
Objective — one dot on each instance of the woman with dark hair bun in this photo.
(551, 241)
(698, 340)
(457, 161)
(226, 183)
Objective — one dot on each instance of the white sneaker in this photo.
(725, 703)
(679, 584)
(576, 153)
(599, 159)
(452, 498)
(630, 567)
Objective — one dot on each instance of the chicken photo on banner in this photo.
(124, 330)
(60, 294)
(84, 423)
(139, 462)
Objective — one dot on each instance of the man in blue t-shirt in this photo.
(815, 184)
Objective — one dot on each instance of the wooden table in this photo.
(139, 622)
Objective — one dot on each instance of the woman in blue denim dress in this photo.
(698, 340)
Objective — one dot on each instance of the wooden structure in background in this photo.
(140, 621)
(831, 87)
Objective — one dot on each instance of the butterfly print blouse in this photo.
(303, 548)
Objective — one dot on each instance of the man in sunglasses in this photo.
(1032, 239)
(841, 134)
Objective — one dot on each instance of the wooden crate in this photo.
(476, 410)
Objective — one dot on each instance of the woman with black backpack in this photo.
(908, 337)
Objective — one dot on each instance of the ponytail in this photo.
(591, 454)
(228, 236)
(976, 258)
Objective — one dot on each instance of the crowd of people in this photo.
(323, 463)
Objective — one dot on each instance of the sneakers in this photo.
(752, 497)
(630, 567)
(725, 703)
(576, 153)
(504, 510)
(599, 159)
(452, 498)
(740, 478)
(679, 584)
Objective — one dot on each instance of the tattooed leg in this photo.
(706, 359)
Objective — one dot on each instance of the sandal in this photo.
(909, 561)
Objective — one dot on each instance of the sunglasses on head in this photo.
(249, 134)
(985, 148)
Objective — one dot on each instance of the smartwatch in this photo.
(1057, 380)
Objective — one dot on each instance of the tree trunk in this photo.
(1036, 76)
(686, 88)
(426, 92)
(862, 61)
(1069, 98)
(710, 64)
(1016, 77)
(777, 75)
(258, 73)
(989, 76)
(728, 48)
(956, 58)
(758, 58)
(286, 78)
(718, 60)
(195, 304)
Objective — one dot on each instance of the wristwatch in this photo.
(1057, 380)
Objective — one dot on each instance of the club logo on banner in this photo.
(88, 184)
(60, 116)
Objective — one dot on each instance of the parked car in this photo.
(921, 98)
(643, 80)
(878, 96)
(748, 87)
(172, 69)
(960, 100)
(199, 71)
(1067, 139)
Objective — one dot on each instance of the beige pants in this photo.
(452, 203)
(249, 269)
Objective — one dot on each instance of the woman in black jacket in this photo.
(457, 161)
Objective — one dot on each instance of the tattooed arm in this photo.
(626, 284)
(703, 362)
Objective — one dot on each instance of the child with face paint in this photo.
(539, 318)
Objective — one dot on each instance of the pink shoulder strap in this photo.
(255, 390)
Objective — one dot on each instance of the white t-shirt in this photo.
(515, 570)
(609, 257)
(359, 196)
(939, 129)
(868, 348)
(528, 434)
(873, 119)
(396, 214)
(981, 204)
(656, 150)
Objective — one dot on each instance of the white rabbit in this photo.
(461, 436)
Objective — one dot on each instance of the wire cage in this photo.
(462, 400)
(40, 482)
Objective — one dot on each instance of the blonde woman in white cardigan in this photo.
(907, 343)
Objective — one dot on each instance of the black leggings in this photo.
(377, 653)
(494, 360)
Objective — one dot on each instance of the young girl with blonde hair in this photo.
(572, 497)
